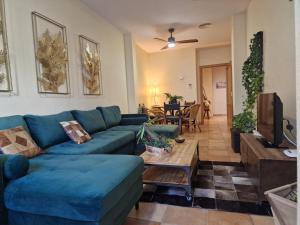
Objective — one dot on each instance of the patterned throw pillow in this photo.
(75, 131)
(18, 141)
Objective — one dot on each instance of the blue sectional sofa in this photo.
(95, 183)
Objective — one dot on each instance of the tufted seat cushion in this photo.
(82, 188)
(102, 143)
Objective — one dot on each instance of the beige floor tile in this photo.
(262, 220)
(226, 218)
(184, 216)
(149, 211)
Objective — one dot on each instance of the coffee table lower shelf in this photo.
(169, 176)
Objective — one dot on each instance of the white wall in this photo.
(142, 71)
(79, 20)
(219, 94)
(214, 55)
(239, 55)
(297, 28)
(172, 71)
(276, 19)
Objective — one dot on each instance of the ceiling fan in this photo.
(171, 42)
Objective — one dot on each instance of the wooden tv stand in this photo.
(268, 168)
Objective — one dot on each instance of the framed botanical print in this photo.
(5, 73)
(91, 66)
(51, 55)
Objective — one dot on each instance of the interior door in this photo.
(229, 94)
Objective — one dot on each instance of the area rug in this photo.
(217, 185)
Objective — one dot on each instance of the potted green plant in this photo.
(252, 81)
(242, 123)
(154, 143)
(173, 98)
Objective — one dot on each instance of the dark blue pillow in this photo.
(46, 130)
(92, 120)
(111, 114)
(9, 122)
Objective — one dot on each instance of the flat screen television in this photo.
(270, 119)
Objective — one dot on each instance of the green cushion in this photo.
(46, 130)
(83, 188)
(170, 131)
(111, 114)
(92, 120)
(15, 166)
(104, 142)
(12, 122)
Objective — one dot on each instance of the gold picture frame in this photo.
(90, 66)
(51, 55)
(5, 70)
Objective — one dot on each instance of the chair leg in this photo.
(199, 127)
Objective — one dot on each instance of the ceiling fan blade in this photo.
(187, 41)
(159, 39)
(164, 47)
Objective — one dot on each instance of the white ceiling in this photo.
(146, 19)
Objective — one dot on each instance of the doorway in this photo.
(215, 86)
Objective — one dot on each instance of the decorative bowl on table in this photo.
(180, 139)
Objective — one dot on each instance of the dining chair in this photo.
(156, 114)
(172, 114)
(190, 120)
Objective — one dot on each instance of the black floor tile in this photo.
(206, 203)
(231, 206)
(205, 172)
(254, 208)
(205, 167)
(245, 188)
(247, 197)
(204, 182)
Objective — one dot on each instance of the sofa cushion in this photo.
(111, 114)
(92, 120)
(46, 130)
(18, 141)
(170, 131)
(15, 166)
(75, 132)
(102, 143)
(11, 122)
(80, 188)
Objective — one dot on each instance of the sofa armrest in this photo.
(133, 119)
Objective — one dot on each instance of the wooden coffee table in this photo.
(173, 169)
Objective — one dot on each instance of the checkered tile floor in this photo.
(217, 185)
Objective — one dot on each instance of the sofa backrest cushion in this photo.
(92, 120)
(12, 122)
(111, 114)
(46, 130)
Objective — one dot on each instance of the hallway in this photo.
(214, 140)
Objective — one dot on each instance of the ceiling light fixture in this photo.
(171, 44)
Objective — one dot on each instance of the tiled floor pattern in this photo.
(217, 185)
(158, 214)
